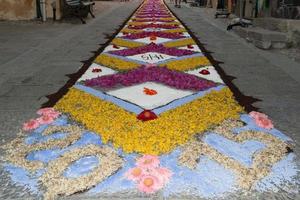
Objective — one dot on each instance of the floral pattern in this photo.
(150, 33)
(155, 137)
(156, 74)
(162, 127)
(152, 47)
(47, 116)
(148, 175)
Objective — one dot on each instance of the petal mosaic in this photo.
(155, 115)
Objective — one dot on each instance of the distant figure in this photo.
(177, 3)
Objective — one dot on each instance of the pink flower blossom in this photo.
(135, 173)
(261, 120)
(45, 111)
(255, 114)
(264, 122)
(31, 124)
(148, 162)
(45, 119)
(48, 112)
(163, 173)
(149, 184)
(54, 115)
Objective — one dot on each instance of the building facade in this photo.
(27, 9)
(289, 9)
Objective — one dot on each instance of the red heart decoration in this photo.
(204, 72)
(147, 115)
(96, 70)
(150, 92)
(190, 46)
(152, 37)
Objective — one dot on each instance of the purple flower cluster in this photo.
(166, 26)
(153, 12)
(152, 15)
(134, 36)
(143, 74)
(152, 47)
(152, 20)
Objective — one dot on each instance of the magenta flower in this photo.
(134, 36)
(152, 47)
(152, 20)
(155, 15)
(165, 26)
(149, 73)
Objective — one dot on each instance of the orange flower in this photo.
(150, 92)
(152, 37)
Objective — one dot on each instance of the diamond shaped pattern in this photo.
(151, 57)
(136, 94)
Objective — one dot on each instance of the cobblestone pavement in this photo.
(57, 49)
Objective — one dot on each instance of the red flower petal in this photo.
(204, 72)
(152, 37)
(190, 46)
(147, 115)
(96, 70)
(148, 91)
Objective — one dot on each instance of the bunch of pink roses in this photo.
(148, 175)
(47, 116)
(261, 120)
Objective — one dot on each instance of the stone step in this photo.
(263, 38)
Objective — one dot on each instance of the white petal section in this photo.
(153, 29)
(120, 34)
(195, 48)
(213, 74)
(89, 74)
(157, 41)
(151, 57)
(186, 34)
(111, 48)
(135, 94)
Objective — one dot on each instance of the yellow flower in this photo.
(170, 129)
(177, 30)
(126, 43)
(187, 63)
(180, 43)
(115, 63)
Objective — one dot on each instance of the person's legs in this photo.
(177, 3)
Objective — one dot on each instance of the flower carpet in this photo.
(153, 114)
